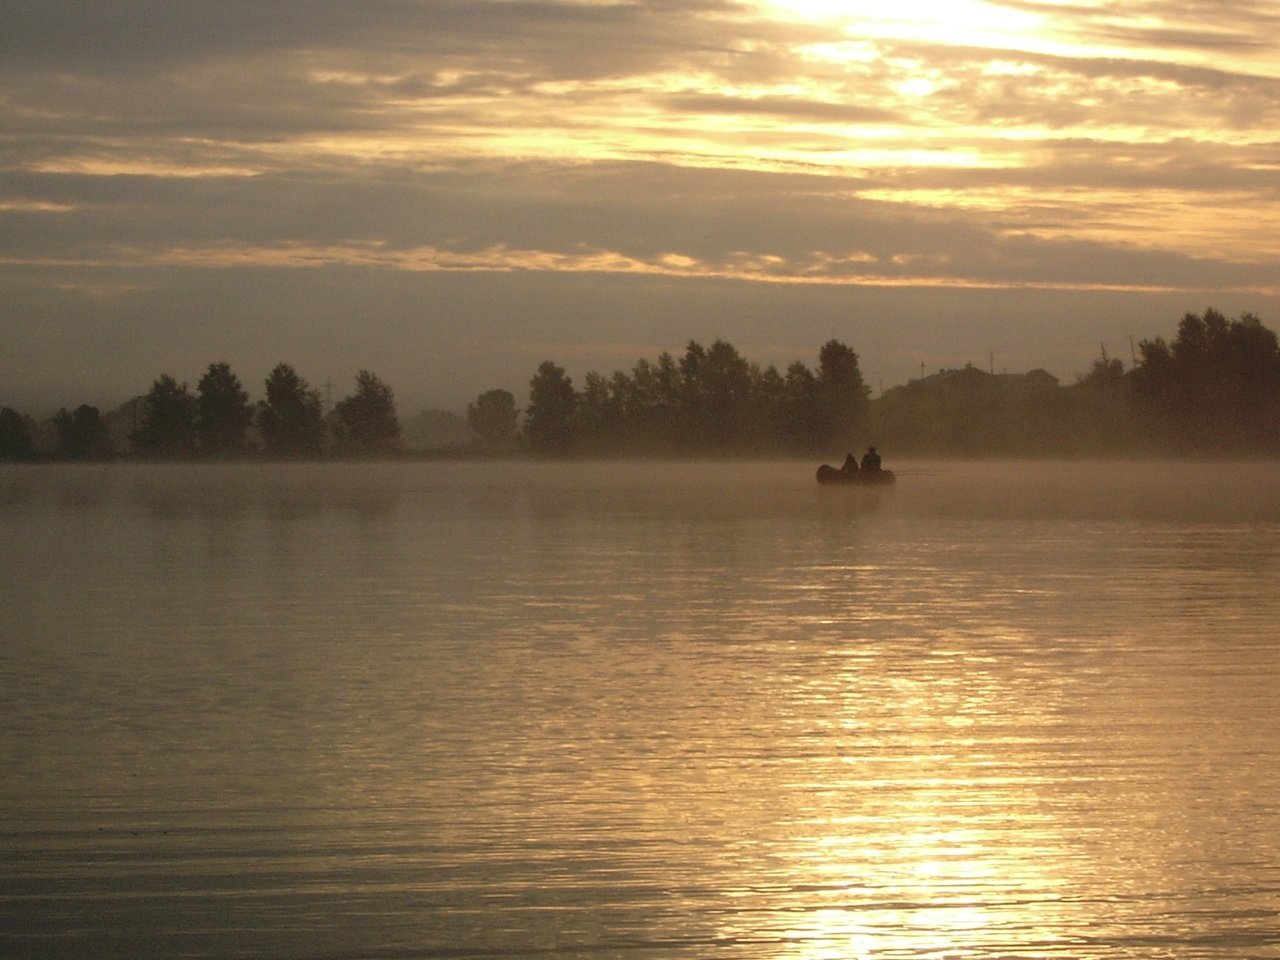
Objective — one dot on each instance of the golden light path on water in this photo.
(1005, 711)
(924, 840)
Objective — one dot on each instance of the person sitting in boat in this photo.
(871, 461)
(850, 468)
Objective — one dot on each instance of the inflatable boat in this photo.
(833, 476)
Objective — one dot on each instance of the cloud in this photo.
(128, 36)
(225, 160)
(620, 218)
(791, 108)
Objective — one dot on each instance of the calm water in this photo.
(402, 711)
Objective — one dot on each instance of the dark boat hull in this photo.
(830, 476)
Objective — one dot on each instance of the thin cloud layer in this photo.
(154, 152)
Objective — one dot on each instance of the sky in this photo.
(449, 192)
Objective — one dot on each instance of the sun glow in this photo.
(957, 22)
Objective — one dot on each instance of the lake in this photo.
(451, 710)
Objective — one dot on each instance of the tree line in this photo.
(216, 421)
(711, 401)
(1214, 389)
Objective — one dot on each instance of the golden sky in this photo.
(449, 192)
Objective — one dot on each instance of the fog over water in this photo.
(658, 710)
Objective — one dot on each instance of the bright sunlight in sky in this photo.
(956, 22)
(450, 191)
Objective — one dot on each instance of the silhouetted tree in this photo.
(1096, 414)
(725, 391)
(972, 413)
(843, 397)
(168, 428)
(366, 420)
(548, 418)
(801, 420)
(223, 413)
(1105, 372)
(663, 402)
(596, 420)
(766, 428)
(691, 395)
(630, 411)
(645, 405)
(15, 436)
(290, 417)
(1217, 387)
(83, 434)
(494, 417)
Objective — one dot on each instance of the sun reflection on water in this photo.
(971, 721)
(925, 830)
